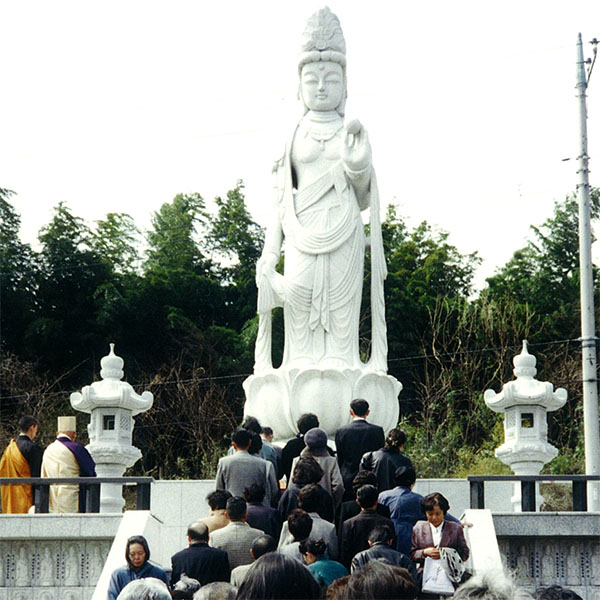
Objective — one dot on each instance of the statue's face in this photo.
(322, 85)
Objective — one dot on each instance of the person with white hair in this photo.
(491, 586)
(66, 458)
(145, 589)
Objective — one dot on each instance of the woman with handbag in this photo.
(438, 547)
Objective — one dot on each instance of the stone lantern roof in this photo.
(111, 391)
(525, 390)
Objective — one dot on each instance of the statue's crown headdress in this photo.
(323, 39)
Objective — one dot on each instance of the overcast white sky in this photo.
(116, 106)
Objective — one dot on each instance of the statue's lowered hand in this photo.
(356, 148)
(266, 264)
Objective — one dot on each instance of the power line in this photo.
(233, 378)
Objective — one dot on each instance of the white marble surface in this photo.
(318, 220)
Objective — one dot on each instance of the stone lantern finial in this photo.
(524, 363)
(112, 365)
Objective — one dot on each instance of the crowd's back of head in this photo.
(217, 500)
(236, 508)
(148, 588)
(277, 576)
(378, 579)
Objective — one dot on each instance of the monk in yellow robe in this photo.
(22, 458)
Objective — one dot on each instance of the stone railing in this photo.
(528, 488)
(90, 485)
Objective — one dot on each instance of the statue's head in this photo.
(322, 62)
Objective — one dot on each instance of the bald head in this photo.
(198, 532)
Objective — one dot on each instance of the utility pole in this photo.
(591, 422)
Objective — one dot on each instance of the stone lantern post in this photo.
(112, 404)
(525, 403)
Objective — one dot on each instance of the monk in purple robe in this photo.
(66, 458)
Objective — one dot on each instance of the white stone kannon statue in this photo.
(322, 182)
(525, 403)
(113, 404)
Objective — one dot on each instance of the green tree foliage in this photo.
(70, 273)
(236, 241)
(544, 275)
(182, 314)
(17, 278)
(116, 241)
(422, 268)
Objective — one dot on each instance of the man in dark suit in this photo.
(260, 516)
(199, 560)
(351, 508)
(353, 440)
(355, 531)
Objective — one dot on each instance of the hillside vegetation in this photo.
(179, 303)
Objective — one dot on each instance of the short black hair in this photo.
(309, 498)
(263, 544)
(316, 547)
(251, 424)
(396, 438)
(307, 421)
(359, 407)
(241, 438)
(267, 431)
(555, 592)
(436, 499)
(254, 492)
(405, 476)
(198, 531)
(236, 508)
(381, 580)
(307, 470)
(299, 524)
(381, 533)
(367, 496)
(217, 500)
(26, 421)
(275, 575)
(364, 478)
(255, 443)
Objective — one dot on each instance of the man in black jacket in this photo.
(200, 561)
(356, 531)
(353, 440)
(381, 542)
(385, 461)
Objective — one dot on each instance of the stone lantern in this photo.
(112, 404)
(525, 403)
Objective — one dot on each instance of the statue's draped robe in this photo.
(15, 498)
(64, 458)
(324, 258)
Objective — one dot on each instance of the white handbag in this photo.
(435, 578)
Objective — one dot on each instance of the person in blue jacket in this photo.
(324, 570)
(137, 555)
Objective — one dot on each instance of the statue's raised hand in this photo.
(356, 149)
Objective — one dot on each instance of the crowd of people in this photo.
(63, 458)
(302, 521)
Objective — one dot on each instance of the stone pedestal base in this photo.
(277, 398)
(112, 462)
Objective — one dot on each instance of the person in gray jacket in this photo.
(381, 542)
(242, 469)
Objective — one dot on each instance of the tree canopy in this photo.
(180, 303)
